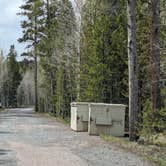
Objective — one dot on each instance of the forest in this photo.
(93, 51)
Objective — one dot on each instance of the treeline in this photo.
(16, 81)
(10, 78)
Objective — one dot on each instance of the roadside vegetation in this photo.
(155, 151)
(1, 109)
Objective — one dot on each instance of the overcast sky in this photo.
(10, 29)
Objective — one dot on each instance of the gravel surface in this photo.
(28, 139)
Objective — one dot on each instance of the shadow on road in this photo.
(4, 152)
(5, 132)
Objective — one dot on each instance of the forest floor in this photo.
(29, 139)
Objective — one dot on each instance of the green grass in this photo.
(154, 153)
(1, 109)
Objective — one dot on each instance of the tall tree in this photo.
(133, 69)
(155, 55)
(10, 78)
(1, 76)
(4, 83)
(32, 32)
(25, 91)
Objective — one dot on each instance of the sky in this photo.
(10, 29)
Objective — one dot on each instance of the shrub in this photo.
(153, 122)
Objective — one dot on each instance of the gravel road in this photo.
(28, 139)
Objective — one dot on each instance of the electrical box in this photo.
(106, 119)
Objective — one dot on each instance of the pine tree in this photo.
(103, 55)
(13, 77)
(32, 33)
(59, 54)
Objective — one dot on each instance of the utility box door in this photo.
(74, 118)
(79, 116)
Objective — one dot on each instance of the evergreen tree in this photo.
(13, 77)
(59, 55)
(103, 55)
(32, 33)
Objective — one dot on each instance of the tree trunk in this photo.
(36, 87)
(133, 69)
(36, 68)
(155, 55)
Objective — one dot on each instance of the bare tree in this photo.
(133, 69)
(78, 9)
(25, 91)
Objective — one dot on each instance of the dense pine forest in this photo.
(92, 51)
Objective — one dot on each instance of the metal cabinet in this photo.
(106, 119)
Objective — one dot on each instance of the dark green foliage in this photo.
(11, 79)
(104, 53)
(149, 121)
(153, 122)
(13, 75)
(33, 25)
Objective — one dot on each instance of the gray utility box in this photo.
(79, 116)
(106, 119)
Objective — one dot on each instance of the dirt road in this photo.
(28, 139)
